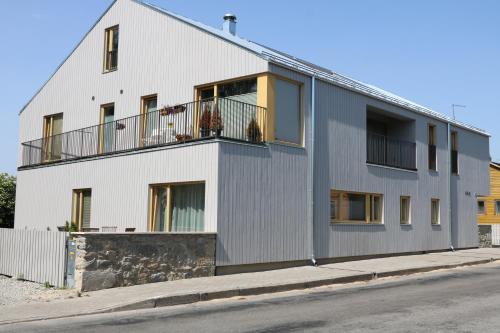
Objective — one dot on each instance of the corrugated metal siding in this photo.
(34, 255)
(119, 187)
(341, 164)
(157, 54)
(262, 204)
(472, 181)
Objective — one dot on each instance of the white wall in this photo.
(119, 187)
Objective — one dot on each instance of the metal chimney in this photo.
(229, 23)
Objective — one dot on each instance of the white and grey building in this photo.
(158, 123)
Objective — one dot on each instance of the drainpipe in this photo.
(310, 176)
(449, 185)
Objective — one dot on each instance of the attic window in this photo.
(111, 49)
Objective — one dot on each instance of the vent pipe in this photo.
(229, 24)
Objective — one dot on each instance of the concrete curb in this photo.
(190, 298)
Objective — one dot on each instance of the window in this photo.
(497, 207)
(432, 147)
(349, 207)
(288, 123)
(404, 208)
(81, 208)
(177, 207)
(454, 152)
(435, 212)
(52, 139)
(107, 129)
(150, 121)
(481, 208)
(111, 49)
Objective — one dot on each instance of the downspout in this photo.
(449, 186)
(310, 176)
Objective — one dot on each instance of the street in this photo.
(458, 300)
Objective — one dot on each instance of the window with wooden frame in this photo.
(404, 210)
(107, 128)
(454, 152)
(432, 147)
(354, 207)
(52, 138)
(435, 220)
(497, 207)
(81, 208)
(177, 207)
(111, 49)
(150, 121)
(481, 207)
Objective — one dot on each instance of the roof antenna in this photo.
(453, 106)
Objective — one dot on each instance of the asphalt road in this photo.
(458, 300)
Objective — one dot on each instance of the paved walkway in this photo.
(201, 289)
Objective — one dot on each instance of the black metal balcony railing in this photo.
(200, 120)
(383, 150)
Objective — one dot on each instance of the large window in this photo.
(350, 207)
(404, 209)
(81, 208)
(177, 208)
(52, 139)
(288, 122)
(111, 49)
(432, 147)
(481, 207)
(435, 220)
(454, 152)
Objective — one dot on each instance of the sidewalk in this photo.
(202, 289)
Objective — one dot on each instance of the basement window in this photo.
(352, 207)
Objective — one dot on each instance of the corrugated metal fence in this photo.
(495, 234)
(33, 255)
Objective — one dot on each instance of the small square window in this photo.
(481, 207)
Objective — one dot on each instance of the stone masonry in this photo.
(484, 232)
(108, 260)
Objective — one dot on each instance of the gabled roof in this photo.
(495, 165)
(297, 64)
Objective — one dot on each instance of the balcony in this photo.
(200, 120)
(387, 151)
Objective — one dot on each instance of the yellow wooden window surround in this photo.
(108, 47)
(104, 107)
(435, 212)
(48, 132)
(143, 123)
(369, 207)
(77, 209)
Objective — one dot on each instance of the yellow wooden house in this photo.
(488, 208)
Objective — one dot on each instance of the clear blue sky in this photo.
(432, 52)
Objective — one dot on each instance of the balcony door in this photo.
(52, 139)
(150, 120)
(108, 129)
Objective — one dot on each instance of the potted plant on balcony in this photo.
(216, 124)
(253, 131)
(205, 121)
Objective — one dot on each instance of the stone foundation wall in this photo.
(484, 235)
(108, 260)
